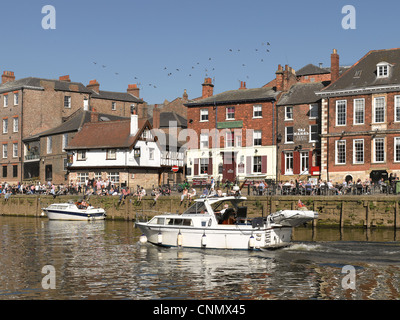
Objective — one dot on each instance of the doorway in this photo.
(229, 166)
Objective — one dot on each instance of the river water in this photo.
(64, 260)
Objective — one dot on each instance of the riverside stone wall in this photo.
(334, 211)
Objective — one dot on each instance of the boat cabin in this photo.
(207, 212)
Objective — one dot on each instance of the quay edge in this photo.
(381, 211)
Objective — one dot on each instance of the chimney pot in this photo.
(208, 88)
(65, 78)
(94, 85)
(334, 66)
(133, 90)
(7, 76)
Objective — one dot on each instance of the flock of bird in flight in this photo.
(207, 67)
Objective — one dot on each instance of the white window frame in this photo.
(396, 108)
(257, 137)
(64, 141)
(396, 153)
(375, 140)
(374, 110)
(5, 125)
(304, 162)
(289, 111)
(15, 124)
(49, 144)
(238, 140)
(5, 151)
(5, 100)
(16, 96)
(286, 135)
(345, 112)
(355, 101)
(67, 102)
(81, 155)
(382, 70)
(204, 141)
(111, 154)
(355, 141)
(258, 164)
(289, 159)
(15, 150)
(113, 106)
(314, 106)
(310, 132)
(229, 142)
(204, 113)
(228, 115)
(203, 163)
(257, 111)
(337, 142)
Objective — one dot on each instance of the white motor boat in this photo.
(73, 211)
(203, 225)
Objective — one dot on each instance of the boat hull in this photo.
(238, 237)
(92, 214)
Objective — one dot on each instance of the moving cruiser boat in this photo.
(74, 211)
(222, 223)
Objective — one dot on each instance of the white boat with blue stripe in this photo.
(74, 211)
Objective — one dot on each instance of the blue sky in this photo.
(122, 42)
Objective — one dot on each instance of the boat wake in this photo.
(303, 247)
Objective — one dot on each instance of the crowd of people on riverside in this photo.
(211, 188)
(328, 187)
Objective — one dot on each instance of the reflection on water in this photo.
(103, 260)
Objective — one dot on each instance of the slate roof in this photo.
(363, 73)
(34, 83)
(107, 134)
(311, 69)
(302, 93)
(237, 96)
(166, 117)
(118, 96)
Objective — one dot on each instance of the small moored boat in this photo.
(74, 211)
(222, 223)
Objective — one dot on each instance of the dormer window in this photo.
(382, 70)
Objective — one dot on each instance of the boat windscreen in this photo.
(197, 207)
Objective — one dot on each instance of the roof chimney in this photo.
(279, 78)
(65, 78)
(7, 76)
(156, 117)
(94, 85)
(133, 90)
(334, 66)
(134, 122)
(94, 116)
(242, 85)
(185, 95)
(208, 88)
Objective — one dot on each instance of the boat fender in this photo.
(159, 238)
(143, 239)
(204, 241)
(179, 239)
(252, 242)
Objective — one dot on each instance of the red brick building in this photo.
(233, 134)
(361, 120)
(33, 105)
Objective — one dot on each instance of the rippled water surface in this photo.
(103, 260)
